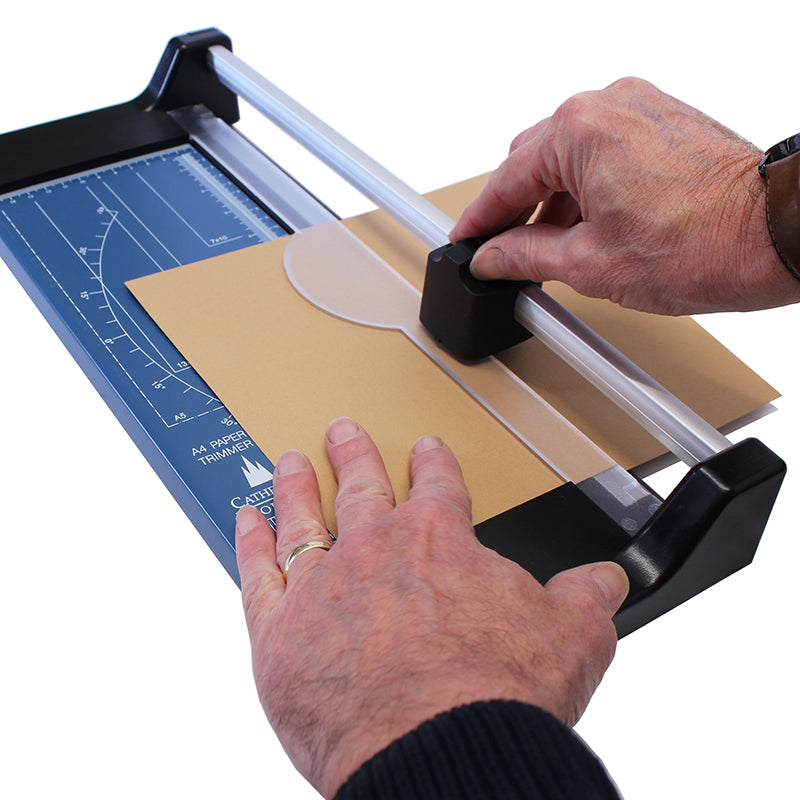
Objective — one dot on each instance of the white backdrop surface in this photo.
(124, 662)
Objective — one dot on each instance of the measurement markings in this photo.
(146, 227)
(124, 228)
(98, 275)
(232, 205)
(108, 292)
(90, 326)
(68, 242)
(96, 260)
(173, 210)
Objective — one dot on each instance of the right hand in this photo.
(646, 202)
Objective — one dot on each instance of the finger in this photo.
(604, 585)
(261, 579)
(298, 513)
(583, 600)
(435, 474)
(365, 492)
(590, 596)
(528, 176)
(537, 252)
(523, 138)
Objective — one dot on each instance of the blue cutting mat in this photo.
(73, 243)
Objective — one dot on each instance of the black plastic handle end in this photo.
(183, 77)
(708, 528)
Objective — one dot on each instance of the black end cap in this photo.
(471, 319)
(707, 529)
(183, 77)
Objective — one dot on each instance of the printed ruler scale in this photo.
(74, 242)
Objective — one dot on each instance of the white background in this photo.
(124, 663)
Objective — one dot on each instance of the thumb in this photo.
(606, 583)
(537, 252)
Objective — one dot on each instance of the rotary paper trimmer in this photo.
(64, 185)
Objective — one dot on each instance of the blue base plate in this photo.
(74, 242)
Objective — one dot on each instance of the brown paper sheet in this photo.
(285, 369)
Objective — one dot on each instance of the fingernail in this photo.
(341, 430)
(613, 582)
(489, 264)
(427, 443)
(247, 518)
(290, 462)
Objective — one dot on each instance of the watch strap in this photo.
(783, 208)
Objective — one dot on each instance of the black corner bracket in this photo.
(142, 125)
(708, 528)
(184, 78)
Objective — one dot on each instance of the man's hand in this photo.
(646, 202)
(407, 615)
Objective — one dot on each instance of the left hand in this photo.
(408, 615)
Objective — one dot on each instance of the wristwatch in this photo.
(781, 169)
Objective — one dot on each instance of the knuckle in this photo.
(503, 193)
(630, 85)
(253, 592)
(518, 254)
(297, 525)
(581, 257)
(595, 113)
(428, 509)
(519, 140)
(297, 534)
(361, 491)
(578, 113)
(445, 501)
(434, 512)
(593, 269)
(586, 608)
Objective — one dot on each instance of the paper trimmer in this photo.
(92, 201)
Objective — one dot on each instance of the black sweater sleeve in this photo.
(484, 751)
